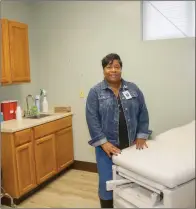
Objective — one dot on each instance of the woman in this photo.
(117, 118)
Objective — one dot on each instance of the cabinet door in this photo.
(64, 148)
(45, 157)
(25, 168)
(19, 52)
(5, 53)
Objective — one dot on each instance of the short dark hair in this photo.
(108, 59)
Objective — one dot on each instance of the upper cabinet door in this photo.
(5, 53)
(19, 52)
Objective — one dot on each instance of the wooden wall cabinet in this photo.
(15, 64)
(31, 156)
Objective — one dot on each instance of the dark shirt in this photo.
(123, 133)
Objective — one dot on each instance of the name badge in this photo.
(127, 94)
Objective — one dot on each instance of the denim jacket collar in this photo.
(104, 84)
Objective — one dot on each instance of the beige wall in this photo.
(69, 41)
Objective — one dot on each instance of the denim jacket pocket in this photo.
(105, 101)
(134, 94)
(133, 102)
(103, 97)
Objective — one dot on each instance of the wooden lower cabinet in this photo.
(27, 161)
(45, 158)
(64, 148)
(25, 168)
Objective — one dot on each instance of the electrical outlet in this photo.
(81, 94)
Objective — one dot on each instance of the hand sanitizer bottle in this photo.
(18, 113)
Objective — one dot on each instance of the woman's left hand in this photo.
(140, 143)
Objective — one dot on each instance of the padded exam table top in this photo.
(169, 159)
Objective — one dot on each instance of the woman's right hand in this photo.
(110, 149)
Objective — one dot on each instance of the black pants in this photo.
(106, 203)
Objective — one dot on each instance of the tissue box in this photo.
(62, 109)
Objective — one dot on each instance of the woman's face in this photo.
(112, 72)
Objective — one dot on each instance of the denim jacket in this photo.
(102, 113)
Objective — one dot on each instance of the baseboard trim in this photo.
(84, 166)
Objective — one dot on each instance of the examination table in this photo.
(160, 176)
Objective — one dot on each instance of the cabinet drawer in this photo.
(138, 195)
(122, 203)
(52, 127)
(23, 137)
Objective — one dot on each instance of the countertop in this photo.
(14, 125)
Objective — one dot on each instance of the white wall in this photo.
(71, 38)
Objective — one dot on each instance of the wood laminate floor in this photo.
(74, 189)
